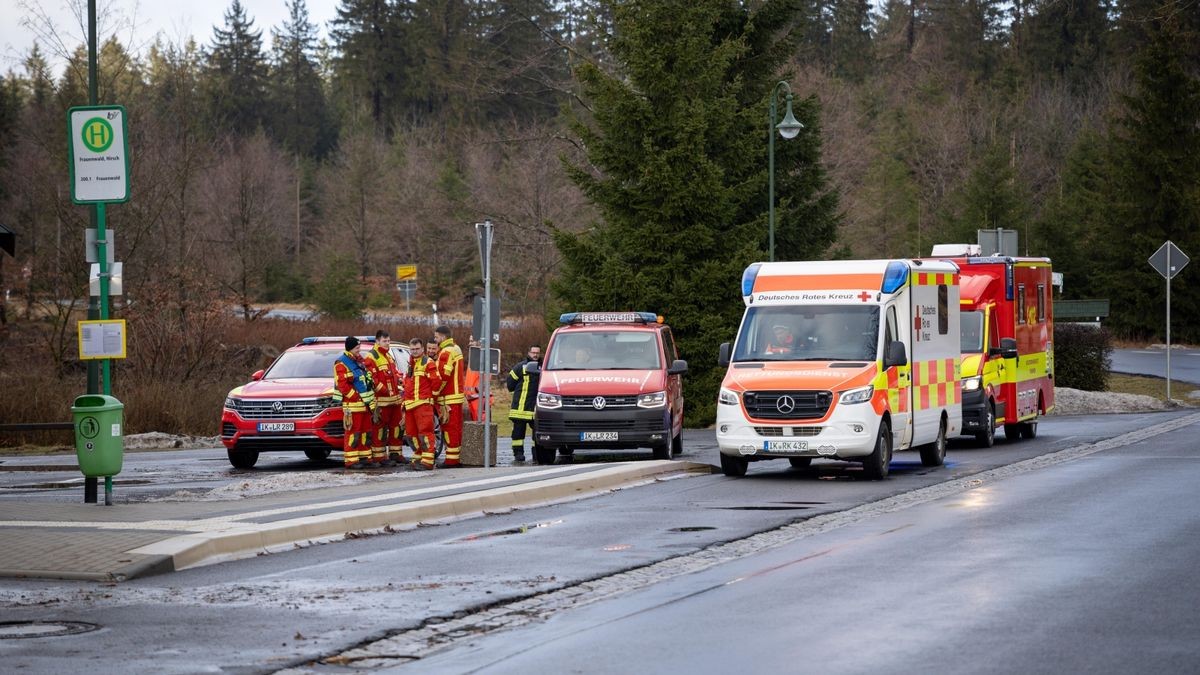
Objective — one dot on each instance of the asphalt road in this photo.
(1185, 363)
(1087, 566)
(322, 602)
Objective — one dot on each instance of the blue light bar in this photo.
(321, 339)
(748, 278)
(895, 277)
(607, 317)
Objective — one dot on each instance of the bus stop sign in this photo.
(1168, 260)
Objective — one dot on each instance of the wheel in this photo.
(662, 451)
(987, 437)
(875, 465)
(1012, 432)
(934, 454)
(243, 459)
(734, 466)
(544, 455)
(677, 445)
(800, 462)
(317, 455)
(1029, 429)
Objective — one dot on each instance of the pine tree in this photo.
(237, 71)
(1066, 39)
(300, 117)
(370, 64)
(1156, 155)
(678, 140)
(992, 197)
(1074, 220)
(524, 71)
(850, 39)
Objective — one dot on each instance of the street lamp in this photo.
(789, 128)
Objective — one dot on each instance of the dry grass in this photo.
(1149, 386)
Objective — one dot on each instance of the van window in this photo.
(669, 346)
(892, 334)
(809, 333)
(1020, 303)
(971, 331)
(603, 350)
(1041, 302)
(943, 309)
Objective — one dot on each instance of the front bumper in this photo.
(848, 431)
(974, 407)
(321, 432)
(627, 428)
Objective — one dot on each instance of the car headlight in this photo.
(727, 397)
(972, 383)
(549, 400)
(860, 395)
(653, 400)
(231, 403)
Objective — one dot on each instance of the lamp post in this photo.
(788, 128)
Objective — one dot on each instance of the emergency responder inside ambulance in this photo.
(450, 393)
(782, 341)
(524, 386)
(388, 445)
(352, 386)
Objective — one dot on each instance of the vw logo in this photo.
(277, 406)
(598, 403)
(785, 404)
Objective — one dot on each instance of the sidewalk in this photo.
(123, 541)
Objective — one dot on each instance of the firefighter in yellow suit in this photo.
(352, 387)
(388, 446)
(451, 393)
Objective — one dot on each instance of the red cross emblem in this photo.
(864, 296)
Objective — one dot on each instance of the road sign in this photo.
(475, 355)
(1168, 260)
(115, 276)
(406, 272)
(89, 246)
(99, 151)
(477, 330)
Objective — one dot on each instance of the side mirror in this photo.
(1008, 348)
(678, 367)
(533, 368)
(723, 355)
(257, 375)
(896, 355)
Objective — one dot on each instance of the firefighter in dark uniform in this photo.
(524, 386)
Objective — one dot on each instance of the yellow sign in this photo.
(102, 339)
(406, 272)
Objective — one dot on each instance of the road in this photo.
(1185, 363)
(619, 552)
(1086, 566)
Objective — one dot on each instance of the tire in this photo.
(734, 467)
(876, 464)
(544, 455)
(1012, 432)
(1029, 430)
(987, 437)
(317, 455)
(800, 462)
(934, 454)
(243, 459)
(662, 451)
(677, 445)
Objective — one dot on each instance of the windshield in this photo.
(604, 350)
(972, 333)
(317, 363)
(809, 333)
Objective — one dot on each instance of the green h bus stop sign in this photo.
(99, 151)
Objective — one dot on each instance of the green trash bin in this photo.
(99, 442)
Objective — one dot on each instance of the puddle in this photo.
(18, 630)
(520, 529)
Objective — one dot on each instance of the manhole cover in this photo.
(16, 630)
(698, 528)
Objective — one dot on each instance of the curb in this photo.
(243, 540)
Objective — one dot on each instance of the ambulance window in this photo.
(891, 326)
(943, 309)
(1041, 303)
(1020, 303)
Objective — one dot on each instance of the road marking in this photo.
(423, 641)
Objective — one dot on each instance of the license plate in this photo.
(785, 446)
(276, 426)
(598, 436)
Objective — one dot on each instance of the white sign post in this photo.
(1168, 260)
(99, 155)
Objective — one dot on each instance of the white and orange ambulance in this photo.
(842, 359)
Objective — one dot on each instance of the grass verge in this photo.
(1119, 383)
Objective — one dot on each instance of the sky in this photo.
(137, 23)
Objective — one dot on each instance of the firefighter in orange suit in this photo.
(353, 388)
(473, 389)
(419, 386)
(451, 394)
(388, 447)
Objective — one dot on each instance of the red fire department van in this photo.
(609, 380)
(1007, 341)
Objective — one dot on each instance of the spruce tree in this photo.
(300, 117)
(367, 35)
(237, 71)
(677, 153)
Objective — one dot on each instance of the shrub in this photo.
(1082, 356)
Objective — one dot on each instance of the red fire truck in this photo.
(1007, 342)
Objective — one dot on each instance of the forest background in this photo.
(620, 148)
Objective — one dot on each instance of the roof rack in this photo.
(572, 318)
